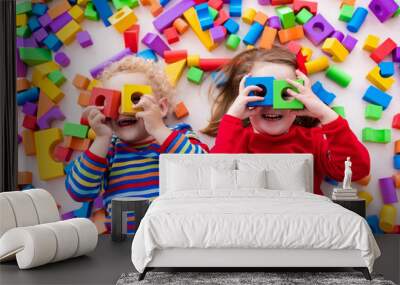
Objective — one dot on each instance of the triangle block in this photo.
(45, 104)
(174, 71)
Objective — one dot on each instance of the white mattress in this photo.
(250, 219)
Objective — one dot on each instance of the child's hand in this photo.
(314, 107)
(98, 122)
(239, 108)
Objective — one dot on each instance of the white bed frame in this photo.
(251, 258)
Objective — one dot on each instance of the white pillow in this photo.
(230, 180)
(251, 178)
(223, 179)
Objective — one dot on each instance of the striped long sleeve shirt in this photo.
(127, 170)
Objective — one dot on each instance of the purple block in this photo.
(349, 42)
(95, 71)
(22, 70)
(60, 22)
(218, 34)
(264, 2)
(29, 108)
(45, 20)
(44, 122)
(26, 42)
(19, 139)
(62, 59)
(396, 54)
(84, 39)
(338, 35)
(155, 42)
(383, 9)
(318, 29)
(68, 215)
(388, 190)
(40, 35)
(166, 19)
(274, 22)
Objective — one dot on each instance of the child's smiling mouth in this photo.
(127, 121)
(271, 116)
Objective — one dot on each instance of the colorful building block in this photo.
(346, 13)
(165, 20)
(180, 25)
(28, 142)
(387, 221)
(357, 20)
(84, 98)
(311, 6)
(204, 17)
(23, 7)
(286, 15)
(131, 95)
(58, 23)
(253, 34)
(104, 11)
(218, 34)
(76, 143)
(58, 9)
(195, 75)
(262, 18)
(267, 38)
(174, 71)
(339, 110)
(40, 35)
(91, 134)
(45, 20)
(248, 15)
(267, 86)
(307, 53)
(62, 154)
(349, 42)
(123, 19)
(396, 178)
(108, 98)
(171, 35)
(57, 77)
(148, 54)
(23, 31)
(318, 29)
(21, 20)
(131, 38)
(323, 94)
(45, 141)
(333, 47)
(75, 130)
(68, 32)
(171, 56)
(303, 16)
(193, 60)
(396, 161)
(211, 64)
(98, 69)
(62, 59)
(180, 110)
(383, 9)
(29, 95)
(44, 104)
(80, 81)
(383, 83)
(386, 68)
(317, 65)
(383, 50)
(33, 56)
(77, 13)
(396, 121)
(232, 42)
(376, 136)
(34, 24)
(371, 43)
(30, 122)
(373, 112)
(388, 190)
(91, 13)
(373, 222)
(280, 98)
(22, 84)
(338, 75)
(54, 114)
(231, 26)
(84, 39)
(52, 42)
(396, 54)
(375, 96)
(24, 178)
(291, 34)
(222, 18)
(366, 196)
(216, 4)
(154, 42)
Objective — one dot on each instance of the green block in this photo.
(376, 136)
(287, 16)
(119, 4)
(346, 12)
(195, 75)
(280, 86)
(373, 112)
(213, 12)
(339, 110)
(232, 42)
(304, 16)
(57, 77)
(34, 56)
(23, 32)
(75, 130)
(23, 7)
(91, 13)
(339, 76)
(397, 13)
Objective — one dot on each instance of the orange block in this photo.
(156, 9)
(364, 181)
(396, 178)
(76, 143)
(81, 81)
(267, 38)
(28, 141)
(181, 110)
(291, 34)
(397, 147)
(44, 105)
(84, 98)
(180, 25)
(61, 7)
(23, 84)
(347, 2)
(24, 177)
(260, 18)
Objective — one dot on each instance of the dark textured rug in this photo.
(243, 278)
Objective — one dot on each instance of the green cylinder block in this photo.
(339, 76)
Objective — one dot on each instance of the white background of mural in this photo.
(107, 42)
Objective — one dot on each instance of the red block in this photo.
(29, 122)
(211, 64)
(281, 2)
(84, 121)
(110, 99)
(199, 1)
(396, 121)
(216, 4)
(222, 18)
(171, 34)
(310, 6)
(62, 154)
(171, 56)
(131, 38)
(383, 50)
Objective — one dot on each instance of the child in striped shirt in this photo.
(123, 159)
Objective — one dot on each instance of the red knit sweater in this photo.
(330, 144)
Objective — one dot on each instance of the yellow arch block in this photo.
(127, 105)
(317, 65)
(383, 83)
(336, 49)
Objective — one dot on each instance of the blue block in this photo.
(267, 84)
(148, 54)
(84, 211)
(386, 68)
(205, 20)
(52, 42)
(27, 187)
(104, 10)
(29, 95)
(375, 96)
(396, 161)
(164, 2)
(33, 23)
(373, 222)
(231, 26)
(39, 9)
(323, 94)
(72, 2)
(219, 78)
(331, 181)
(253, 34)
(235, 8)
(357, 19)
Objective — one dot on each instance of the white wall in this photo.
(107, 42)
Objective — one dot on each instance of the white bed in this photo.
(203, 219)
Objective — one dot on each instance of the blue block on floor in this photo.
(323, 94)
(30, 95)
(52, 42)
(33, 23)
(205, 20)
(396, 161)
(386, 68)
(104, 10)
(147, 54)
(375, 96)
(231, 26)
(253, 34)
(39, 9)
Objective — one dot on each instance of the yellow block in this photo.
(45, 141)
(51, 90)
(383, 83)
(76, 13)
(248, 15)
(371, 43)
(123, 19)
(91, 134)
(319, 64)
(46, 68)
(93, 83)
(36, 77)
(68, 33)
(174, 71)
(307, 52)
(249, 47)
(336, 49)
(83, 2)
(129, 91)
(366, 196)
(21, 20)
(204, 36)
(193, 60)
(387, 218)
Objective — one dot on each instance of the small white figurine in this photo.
(347, 174)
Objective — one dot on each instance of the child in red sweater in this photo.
(316, 129)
